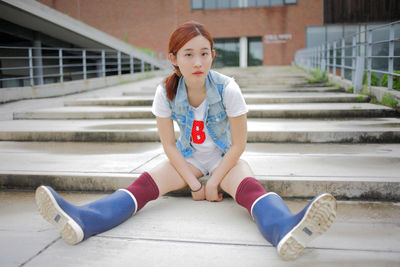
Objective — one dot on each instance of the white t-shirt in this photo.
(203, 144)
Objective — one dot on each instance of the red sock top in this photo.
(144, 189)
(248, 191)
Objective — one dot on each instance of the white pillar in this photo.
(243, 52)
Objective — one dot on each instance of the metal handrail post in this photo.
(324, 57)
(31, 67)
(353, 58)
(131, 64)
(391, 55)
(119, 62)
(369, 56)
(84, 64)
(103, 63)
(334, 58)
(60, 64)
(327, 58)
(343, 58)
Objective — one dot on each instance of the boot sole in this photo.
(316, 221)
(48, 207)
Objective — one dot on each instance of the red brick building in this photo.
(280, 30)
(246, 32)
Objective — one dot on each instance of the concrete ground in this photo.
(177, 231)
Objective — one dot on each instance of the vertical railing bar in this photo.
(119, 62)
(334, 58)
(131, 64)
(103, 63)
(84, 64)
(60, 63)
(353, 58)
(369, 56)
(391, 55)
(31, 67)
(327, 57)
(343, 51)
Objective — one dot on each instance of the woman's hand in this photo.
(199, 195)
(211, 191)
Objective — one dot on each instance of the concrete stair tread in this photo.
(288, 168)
(373, 124)
(259, 130)
(274, 89)
(255, 110)
(250, 98)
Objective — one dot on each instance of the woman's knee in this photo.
(235, 176)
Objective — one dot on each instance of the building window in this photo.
(219, 4)
(255, 51)
(197, 4)
(227, 52)
(210, 4)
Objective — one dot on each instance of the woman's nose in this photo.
(197, 62)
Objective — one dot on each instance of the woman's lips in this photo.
(198, 73)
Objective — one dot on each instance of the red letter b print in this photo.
(198, 136)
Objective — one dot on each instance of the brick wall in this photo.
(148, 24)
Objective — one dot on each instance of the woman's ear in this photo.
(172, 58)
(213, 54)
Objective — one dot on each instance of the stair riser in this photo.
(253, 113)
(248, 101)
(152, 136)
(299, 188)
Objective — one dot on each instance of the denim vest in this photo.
(216, 120)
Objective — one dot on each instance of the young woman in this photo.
(211, 113)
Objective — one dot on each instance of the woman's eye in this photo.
(205, 54)
(188, 55)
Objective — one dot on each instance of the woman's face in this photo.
(194, 59)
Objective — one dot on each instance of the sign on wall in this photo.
(281, 38)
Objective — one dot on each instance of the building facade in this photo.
(246, 32)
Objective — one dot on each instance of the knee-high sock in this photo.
(144, 189)
(248, 191)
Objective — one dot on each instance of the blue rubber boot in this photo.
(77, 223)
(288, 232)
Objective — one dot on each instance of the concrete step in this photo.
(266, 89)
(259, 130)
(367, 171)
(303, 97)
(112, 101)
(296, 110)
(271, 98)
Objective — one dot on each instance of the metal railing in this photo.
(363, 58)
(28, 66)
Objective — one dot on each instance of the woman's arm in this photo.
(167, 136)
(238, 127)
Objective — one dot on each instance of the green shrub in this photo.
(396, 81)
(319, 76)
(374, 79)
(360, 98)
(389, 100)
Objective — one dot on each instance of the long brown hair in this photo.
(179, 37)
